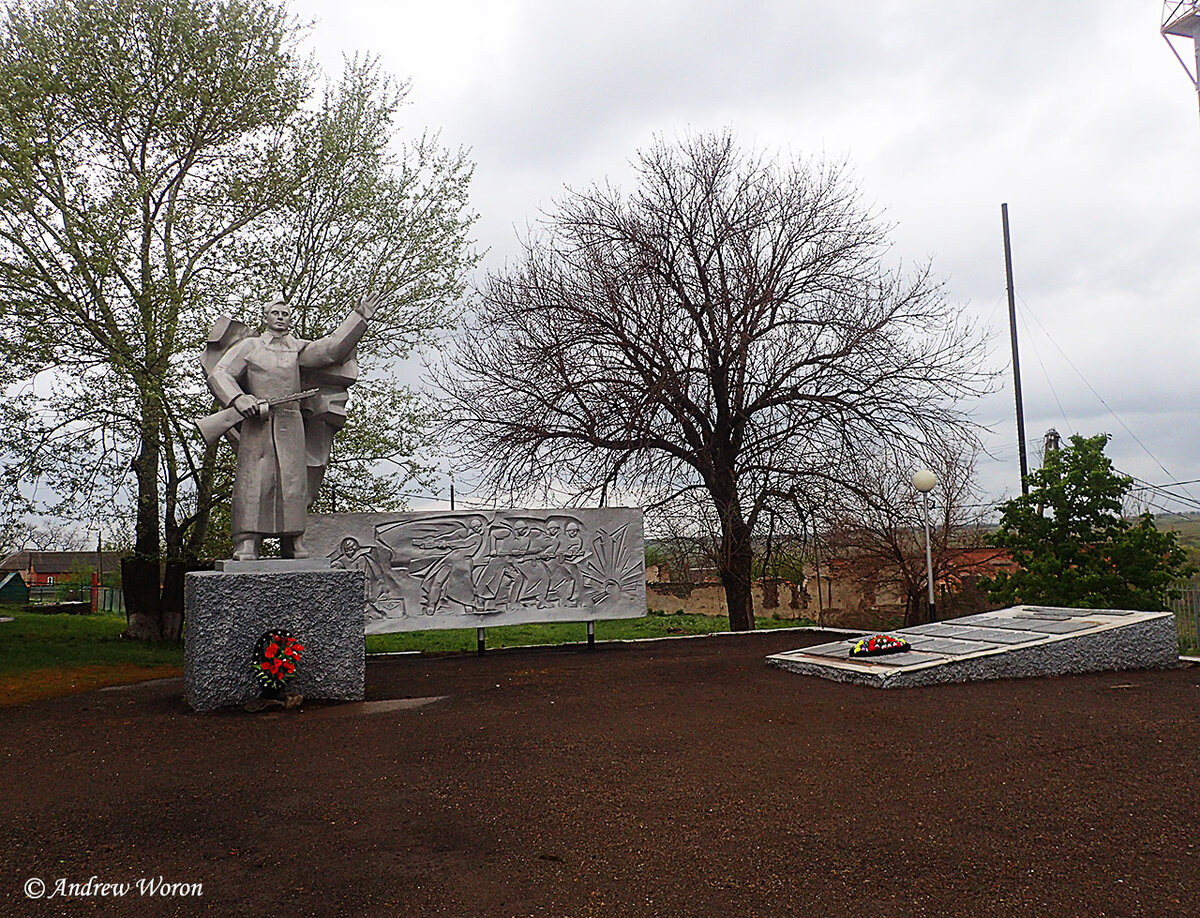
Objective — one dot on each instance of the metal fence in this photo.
(1187, 617)
(109, 600)
(60, 592)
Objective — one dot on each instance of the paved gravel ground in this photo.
(671, 778)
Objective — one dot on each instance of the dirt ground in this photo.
(675, 778)
(51, 682)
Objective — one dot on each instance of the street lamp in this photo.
(925, 481)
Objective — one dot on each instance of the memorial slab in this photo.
(482, 568)
(1020, 642)
(999, 635)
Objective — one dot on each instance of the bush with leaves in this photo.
(1074, 547)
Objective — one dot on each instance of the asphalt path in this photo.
(671, 778)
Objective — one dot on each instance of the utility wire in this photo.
(1162, 491)
(1038, 355)
(1092, 389)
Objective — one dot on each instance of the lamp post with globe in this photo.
(925, 481)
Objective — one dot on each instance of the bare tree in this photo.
(877, 528)
(43, 535)
(728, 329)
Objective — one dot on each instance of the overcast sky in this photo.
(1074, 113)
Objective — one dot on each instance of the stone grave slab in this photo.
(1010, 624)
(1059, 627)
(908, 658)
(998, 635)
(1020, 642)
(940, 629)
(1050, 615)
(949, 646)
(836, 649)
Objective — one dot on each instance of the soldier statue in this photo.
(282, 429)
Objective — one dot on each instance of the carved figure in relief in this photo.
(375, 561)
(531, 585)
(497, 576)
(564, 555)
(449, 577)
(281, 452)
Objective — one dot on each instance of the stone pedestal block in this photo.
(227, 612)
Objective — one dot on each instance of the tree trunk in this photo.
(145, 468)
(140, 573)
(171, 603)
(139, 583)
(736, 554)
(734, 565)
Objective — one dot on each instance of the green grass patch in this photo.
(654, 625)
(46, 655)
(33, 641)
(37, 641)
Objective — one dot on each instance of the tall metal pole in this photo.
(925, 481)
(1012, 330)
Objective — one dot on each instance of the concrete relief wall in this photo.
(482, 568)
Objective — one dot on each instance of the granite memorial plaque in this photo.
(1020, 642)
(481, 568)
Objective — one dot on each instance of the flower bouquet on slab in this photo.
(276, 659)
(879, 644)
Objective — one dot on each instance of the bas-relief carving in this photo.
(484, 568)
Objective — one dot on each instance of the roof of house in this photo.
(5, 578)
(59, 562)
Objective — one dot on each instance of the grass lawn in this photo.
(654, 625)
(43, 656)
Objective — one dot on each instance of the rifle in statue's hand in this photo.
(215, 426)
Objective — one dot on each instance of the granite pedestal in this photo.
(226, 612)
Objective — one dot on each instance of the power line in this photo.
(1092, 389)
(1163, 492)
(1038, 354)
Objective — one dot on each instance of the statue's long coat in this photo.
(270, 492)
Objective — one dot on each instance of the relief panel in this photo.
(480, 568)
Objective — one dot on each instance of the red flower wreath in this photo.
(275, 657)
(879, 644)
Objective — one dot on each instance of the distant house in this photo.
(13, 588)
(48, 567)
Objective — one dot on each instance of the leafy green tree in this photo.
(160, 164)
(1072, 544)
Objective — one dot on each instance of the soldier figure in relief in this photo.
(271, 483)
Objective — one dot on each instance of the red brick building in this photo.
(38, 568)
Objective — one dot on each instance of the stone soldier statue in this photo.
(281, 452)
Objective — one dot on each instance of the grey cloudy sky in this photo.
(1074, 113)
